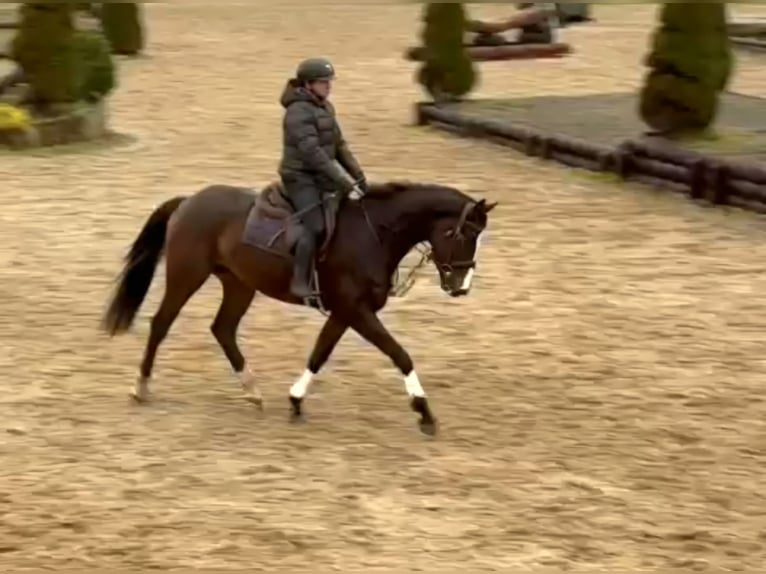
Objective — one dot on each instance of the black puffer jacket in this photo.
(313, 141)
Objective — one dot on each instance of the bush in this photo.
(97, 70)
(690, 64)
(121, 22)
(44, 48)
(448, 71)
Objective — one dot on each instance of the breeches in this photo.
(305, 197)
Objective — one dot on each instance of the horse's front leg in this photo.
(366, 323)
(332, 332)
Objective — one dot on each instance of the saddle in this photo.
(274, 226)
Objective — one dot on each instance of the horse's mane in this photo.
(394, 187)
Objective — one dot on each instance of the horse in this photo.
(202, 235)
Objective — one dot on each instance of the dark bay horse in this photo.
(201, 235)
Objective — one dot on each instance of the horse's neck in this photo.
(404, 239)
(411, 222)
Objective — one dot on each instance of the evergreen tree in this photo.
(690, 64)
(448, 71)
(98, 77)
(44, 47)
(123, 27)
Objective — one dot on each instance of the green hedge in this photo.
(690, 64)
(97, 69)
(448, 71)
(44, 47)
(62, 65)
(123, 28)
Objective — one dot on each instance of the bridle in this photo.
(457, 234)
(401, 288)
(427, 255)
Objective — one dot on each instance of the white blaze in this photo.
(468, 279)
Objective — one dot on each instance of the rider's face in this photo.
(321, 88)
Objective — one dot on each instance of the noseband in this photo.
(457, 234)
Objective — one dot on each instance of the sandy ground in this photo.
(601, 392)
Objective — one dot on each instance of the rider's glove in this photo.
(356, 193)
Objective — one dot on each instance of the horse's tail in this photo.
(140, 264)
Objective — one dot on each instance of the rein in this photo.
(401, 288)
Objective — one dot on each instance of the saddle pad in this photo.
(268, 234)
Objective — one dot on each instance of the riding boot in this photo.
(300, 286)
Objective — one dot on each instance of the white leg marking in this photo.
(468, 279)
(412, 384)
(249, 386)
(246, 379)
(140, 390)
(301, 386)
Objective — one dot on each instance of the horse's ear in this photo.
(482, 206)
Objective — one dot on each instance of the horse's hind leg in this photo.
(237, 298)
(182, 280)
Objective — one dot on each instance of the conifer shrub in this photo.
(448, 71)
(122, 25)
(44, 47)
(689, 66)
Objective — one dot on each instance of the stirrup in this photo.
(315, 302)
(315, 299)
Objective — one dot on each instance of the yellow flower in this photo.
(13, 118)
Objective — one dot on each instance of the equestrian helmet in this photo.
(315, 69)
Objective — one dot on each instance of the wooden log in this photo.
(576, 161)
(525, 17)
(750, 43)
(519, 138)
(747, 204)
(665, 152)
(578, 147)
(747, 29)
(510, 132)
(747, 190)
(448, 127)
(661, 170)
(750, 172)
(659, 183)
(504, 52)
(430, 113)
(661, 166)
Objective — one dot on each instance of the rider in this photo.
(314, 157)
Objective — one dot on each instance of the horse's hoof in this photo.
(428, 428)
(138, 397)
(295, 405)
(255, 400)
